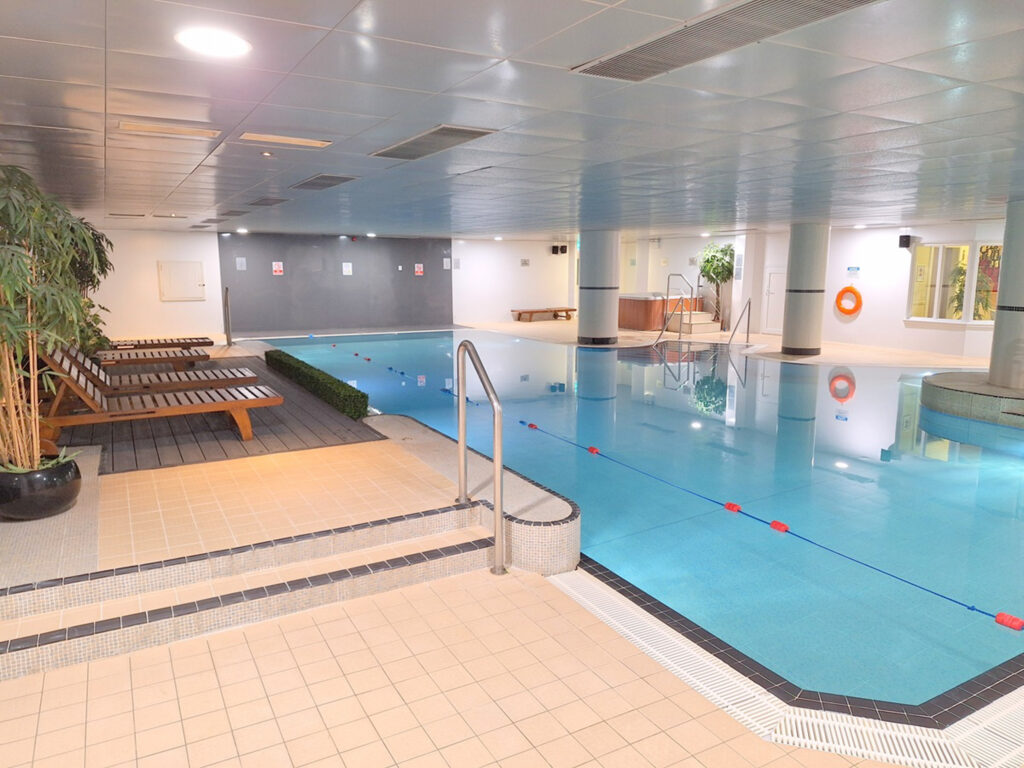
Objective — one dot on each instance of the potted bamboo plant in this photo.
(41, 307)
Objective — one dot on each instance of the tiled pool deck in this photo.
(471, 670)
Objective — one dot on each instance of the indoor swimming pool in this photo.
(842, 455)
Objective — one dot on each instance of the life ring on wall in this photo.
(853, 293)
(842, 386)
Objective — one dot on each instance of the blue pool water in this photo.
(854, 470)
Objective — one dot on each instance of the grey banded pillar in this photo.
(805, 289)
(1006, 364)
(599, 287)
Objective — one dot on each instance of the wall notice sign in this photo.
(446, 263)
(277, 267)
(346, 268)
(240, 263)
(421, 381)
(419, 270)
(853, 271)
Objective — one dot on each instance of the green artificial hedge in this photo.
(336, 393)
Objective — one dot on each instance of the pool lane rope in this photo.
(1003, 618)
(402, 374)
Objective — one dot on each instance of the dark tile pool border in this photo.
(244, 596)
(938, 712)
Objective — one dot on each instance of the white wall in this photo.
(131, 292)
(884, 282)
(488, 279)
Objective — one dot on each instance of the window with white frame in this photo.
(946, 278)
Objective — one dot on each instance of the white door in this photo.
(181, 281)
(774, 302)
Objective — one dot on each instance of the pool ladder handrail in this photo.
(467, 348)
(669, 314)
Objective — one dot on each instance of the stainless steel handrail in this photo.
(668, 315)
(227, 316)
(745, 310)
(467, 348)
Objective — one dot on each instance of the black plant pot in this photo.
(45, 492)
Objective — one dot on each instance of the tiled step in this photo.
(118, 583)
(694, 327)
(693, 317)
(60, 638)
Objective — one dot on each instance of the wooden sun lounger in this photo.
(184, 342)
(98, 408)
(181, 359)
(556, 312)
(69, 358)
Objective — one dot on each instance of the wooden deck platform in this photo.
(302, 422)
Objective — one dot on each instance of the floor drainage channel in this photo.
(992, 737)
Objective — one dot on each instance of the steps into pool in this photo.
(693, 323)
(58, 622)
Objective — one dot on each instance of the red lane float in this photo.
(356, 354)
(732, 506)
(366, 359)
(779, 526)
(1009, 620)
(532, 426)
(594, 450)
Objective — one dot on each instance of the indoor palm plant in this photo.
(716, 264)
(41, 307)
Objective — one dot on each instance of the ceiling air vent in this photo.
(268, 201)
(322, 181)
(127, 215)
(200, 226)
(434, 140)
(232, 213)
(733, 28)
(213, 221)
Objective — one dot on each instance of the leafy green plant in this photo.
(717, 263)
(336, 393)
(41, 304)
(958, 288)
(709, 395)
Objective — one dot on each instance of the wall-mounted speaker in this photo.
(554, 249)
(904, 241)
(563, 249)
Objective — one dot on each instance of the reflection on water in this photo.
(845, 456)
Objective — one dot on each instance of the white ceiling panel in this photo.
(756, 70)
(365, 59)
(902, 111)
(896, 29)
(340, 96)
(148, 27)
(319, 13)
(535, 86)
(596, 37)
(189, 78)
(488, 27)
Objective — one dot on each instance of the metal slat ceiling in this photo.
(893, 112)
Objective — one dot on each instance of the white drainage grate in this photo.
(990, 738)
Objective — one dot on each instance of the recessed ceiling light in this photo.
(208, 41)
(695, 425)
(705, 234)
(860, 226)
(371, 234)
(267, 154)
(842, 465)
(168, 129)
(499, 237)
(292, 141)
(242, 231)
(225, 234)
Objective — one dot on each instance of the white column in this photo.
(1006, 365)
(599, 287)
(805, 289)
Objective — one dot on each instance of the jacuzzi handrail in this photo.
(466, 347)
(668, 295)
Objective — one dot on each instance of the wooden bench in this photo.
(184, 342)
(180, 359)
(556, 312)
(97, 408)
(69, 358)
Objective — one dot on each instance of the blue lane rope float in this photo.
(1003, 618)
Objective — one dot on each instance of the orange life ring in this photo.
(842, 381)
(858, 302)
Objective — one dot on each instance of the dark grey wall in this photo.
(314, 294)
